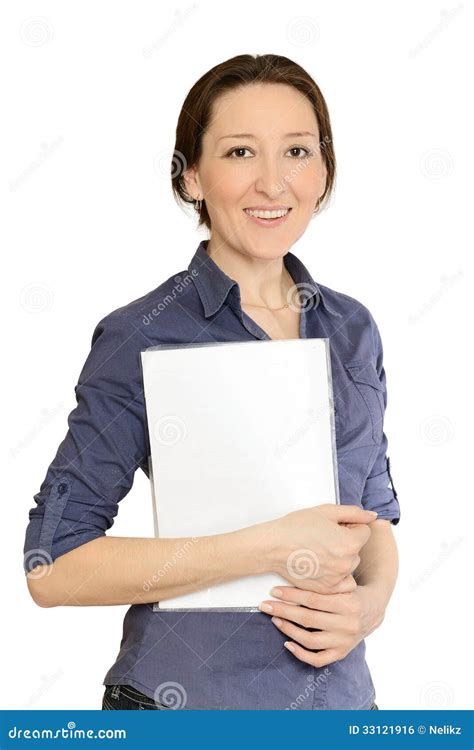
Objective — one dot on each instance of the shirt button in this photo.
(62, 488)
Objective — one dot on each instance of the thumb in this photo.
(354, 514)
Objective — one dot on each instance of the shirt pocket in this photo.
(370, 394)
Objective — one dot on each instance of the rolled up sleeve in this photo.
(105, 443)
(379, 492)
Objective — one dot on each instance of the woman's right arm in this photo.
(122, 570)
(128, 570)
(69, 558)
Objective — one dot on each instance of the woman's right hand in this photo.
(317, 548)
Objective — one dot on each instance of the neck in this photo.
(263, 281)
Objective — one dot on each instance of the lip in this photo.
(269, 223)
(266, 208)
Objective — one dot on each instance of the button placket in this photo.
(54, 509)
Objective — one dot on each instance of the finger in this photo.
(355, 563)
(334, 604)
(304, 616)
(291, 594)
(346, 586)
(326, 586)
(351, 525)
(331, 603)
(338, 588)
(296, 595)
(360, 534)
(321, 659)
(310, 640)
(353, 514)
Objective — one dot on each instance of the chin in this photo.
(268, 250)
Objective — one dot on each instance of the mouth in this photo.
(268, 218)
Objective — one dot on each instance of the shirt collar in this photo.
(213, 285)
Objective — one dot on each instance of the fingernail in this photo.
(374, 513)
(265, 607)
(276, 592)
(289, 646)
(276, 620)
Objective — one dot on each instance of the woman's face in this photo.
(261, 149)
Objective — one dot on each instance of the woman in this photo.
(254, 152)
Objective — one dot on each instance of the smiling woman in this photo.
(254, 151)
(289, 145)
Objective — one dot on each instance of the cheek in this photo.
(226, 191)
(309, 185)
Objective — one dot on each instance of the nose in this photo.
(270, 178)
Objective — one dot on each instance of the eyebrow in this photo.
(250, 135)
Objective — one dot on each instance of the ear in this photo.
(324, 175)
(192, 183)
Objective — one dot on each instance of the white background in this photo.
(91, 94)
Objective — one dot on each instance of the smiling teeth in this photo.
(267, 214)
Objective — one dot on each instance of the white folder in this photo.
(240, 433)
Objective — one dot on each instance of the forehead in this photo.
(268, 109)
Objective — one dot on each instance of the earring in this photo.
(198, 204)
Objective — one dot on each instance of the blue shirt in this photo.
(221, 660)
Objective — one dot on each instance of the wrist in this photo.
(258, 545)
(375, 602)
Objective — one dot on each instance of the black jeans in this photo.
(125, 697)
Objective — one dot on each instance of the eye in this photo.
(301, 148)
(239, 152)
(239, 148)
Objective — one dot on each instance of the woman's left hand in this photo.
(342, 619)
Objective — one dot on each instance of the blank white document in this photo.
(240, 433)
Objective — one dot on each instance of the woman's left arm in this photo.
(341, 620)
(377, 571)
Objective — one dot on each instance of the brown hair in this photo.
(240, 71)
